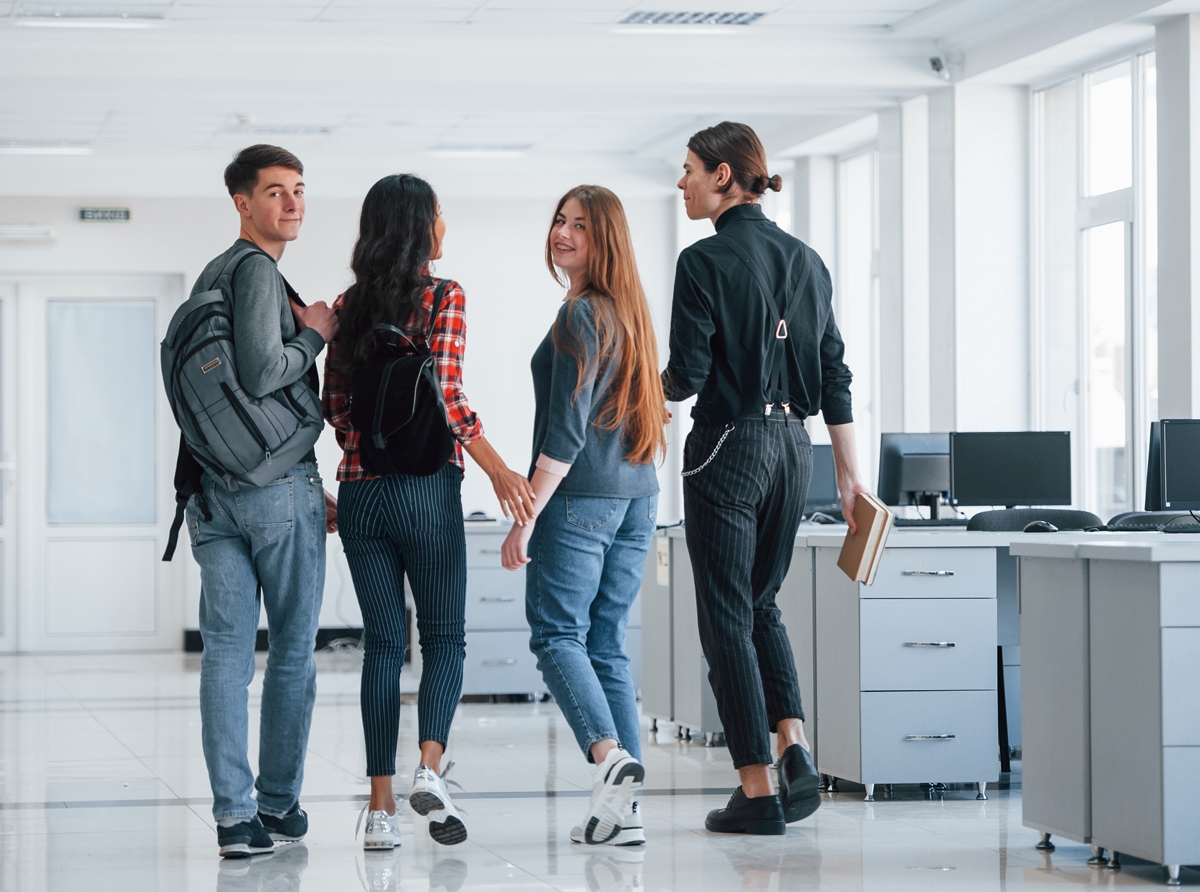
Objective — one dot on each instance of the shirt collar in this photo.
(750, 211)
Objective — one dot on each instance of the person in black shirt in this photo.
(753, 333)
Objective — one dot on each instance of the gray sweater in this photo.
(564, 423)
(270, 353)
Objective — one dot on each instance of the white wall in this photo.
(494, 248)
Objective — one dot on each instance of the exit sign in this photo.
(104, 215)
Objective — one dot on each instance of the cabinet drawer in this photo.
(500, 663)
(912, 737)
(495, 598)
(934, 573)
(915, 644)
(483, 549)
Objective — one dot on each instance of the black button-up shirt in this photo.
(723, 332)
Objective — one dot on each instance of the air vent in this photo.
(692, 18)
(119, 12)
(43, 147)
(26, 232)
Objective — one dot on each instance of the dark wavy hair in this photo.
(390, 264)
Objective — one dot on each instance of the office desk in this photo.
(906, 678)
(1139, 662)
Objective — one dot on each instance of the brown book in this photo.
(863, 550)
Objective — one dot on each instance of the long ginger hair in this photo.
(624, 329)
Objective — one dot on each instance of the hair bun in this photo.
(775, 183)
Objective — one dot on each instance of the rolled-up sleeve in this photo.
(835, 374)
(692, 329)
(570, 402)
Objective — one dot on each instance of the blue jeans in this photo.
(586, 560)
(271, 538)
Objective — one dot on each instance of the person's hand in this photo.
(513, 552)
(320, 317)
(330, 513)
(515, 493)
(849, 497)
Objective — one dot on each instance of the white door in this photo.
(95, 453)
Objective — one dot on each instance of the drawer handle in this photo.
(489, 551)
(929, 644)
(929, 737)
(509, 662)
(928, 573)
(493, 600)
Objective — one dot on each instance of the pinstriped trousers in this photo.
(391, 526)
(743, 511)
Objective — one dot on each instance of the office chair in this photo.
(1013, 520)
(1145, 521)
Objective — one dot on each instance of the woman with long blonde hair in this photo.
(599, 425)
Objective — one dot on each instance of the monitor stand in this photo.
(931, 500)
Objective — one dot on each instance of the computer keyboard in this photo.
(926, 522)
(1182, 525)
(1126, 527)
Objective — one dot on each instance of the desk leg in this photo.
(1172, 874)
(981, 786)
(1045, 845)
(1114, 861)
(1097, 856)
(870, 797)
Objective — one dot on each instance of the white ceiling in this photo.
(359, 88)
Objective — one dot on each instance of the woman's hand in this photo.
(515, 494)
(330, 513)
(513, 552)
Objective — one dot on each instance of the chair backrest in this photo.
(1011, 520)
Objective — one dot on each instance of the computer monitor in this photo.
(914, 469)
(823, 493)
(1154, 495)
(1180, 462)
(1011, 468)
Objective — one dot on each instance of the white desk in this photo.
(1123, 611)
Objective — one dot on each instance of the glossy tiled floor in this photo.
(103, 787)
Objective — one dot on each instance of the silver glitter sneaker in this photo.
(430, 798)
(383, 830)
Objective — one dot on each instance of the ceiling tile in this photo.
(358, 12)
(247, 12)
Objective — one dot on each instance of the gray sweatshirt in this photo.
(270, 353)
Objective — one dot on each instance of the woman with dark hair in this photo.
(753, 334)
(401, 524)
(598, 426)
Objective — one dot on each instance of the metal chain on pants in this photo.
(728, 431)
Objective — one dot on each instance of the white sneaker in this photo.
(382, 833)
(632, 833)
(430, 798)
(618, 778)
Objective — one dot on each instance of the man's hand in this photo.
(849, 497)
(320, 317)
(330, 513)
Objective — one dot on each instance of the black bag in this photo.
(396, 403)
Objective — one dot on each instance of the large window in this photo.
(1095, 270)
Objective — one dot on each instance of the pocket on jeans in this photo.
(268, 510)
(590, 512)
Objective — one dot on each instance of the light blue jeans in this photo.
(585, 571)
(271, 538)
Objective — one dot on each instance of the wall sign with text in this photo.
(105, 215)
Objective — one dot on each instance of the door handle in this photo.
(509, 662)
(929, 644)
(492, 600)
(928, 573)
(929, 737)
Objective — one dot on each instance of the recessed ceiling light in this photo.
(26, 232)
(43, 147)
(89, 15)
(691, 18)
(480, 151)
(282, 129)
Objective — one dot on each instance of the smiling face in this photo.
(702, 195)
(569, 239)
(274, 209)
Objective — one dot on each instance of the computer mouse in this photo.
(1040, 526)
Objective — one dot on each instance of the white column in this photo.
(914, 160)
(1177, 41)
(890, 259)
(943, 356)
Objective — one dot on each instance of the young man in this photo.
(266, 542)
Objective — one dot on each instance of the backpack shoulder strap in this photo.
(438, 294)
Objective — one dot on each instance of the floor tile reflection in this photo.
(103, 786)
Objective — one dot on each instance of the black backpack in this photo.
(396, 403)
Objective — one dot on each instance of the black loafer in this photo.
(761, 816)
(286, 828)
(798, 781)
(244, 839)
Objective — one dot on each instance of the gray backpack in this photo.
(242, 440)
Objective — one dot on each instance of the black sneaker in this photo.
(290, 827)
(242, 840)
(761, 816)
(798, 784)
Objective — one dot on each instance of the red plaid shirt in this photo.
(449, 338)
